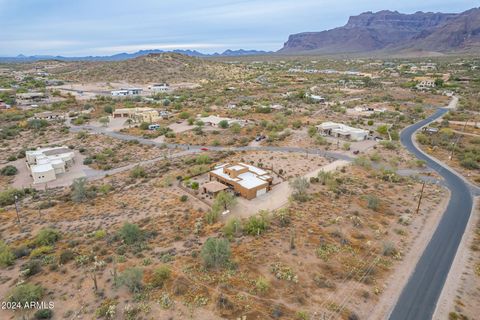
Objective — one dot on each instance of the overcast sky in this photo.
(104, 27)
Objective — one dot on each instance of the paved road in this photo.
(196, 149)
(419, 297)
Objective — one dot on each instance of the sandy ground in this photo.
(460, 284)
(394, 285)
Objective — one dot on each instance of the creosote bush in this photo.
(215, 252)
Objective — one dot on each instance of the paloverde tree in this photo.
(224, 200)
(215, 252)
(300, 186)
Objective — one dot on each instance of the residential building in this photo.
(148, 115)
(3, 105)
(46, 163)
(49, 116)
(315, 98)
(126, 92)
(339, 130)
(159, 87)
(246, 180)
(424, 83)
(29, 97)
(214, 121)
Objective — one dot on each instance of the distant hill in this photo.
(390, 31)
(153, 67)
(126, 56)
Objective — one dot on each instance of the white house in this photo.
(159, 87)
(315, 98)
(426, 84)
(46, 163)
(214, 121)
(126, 92)
(340, 130)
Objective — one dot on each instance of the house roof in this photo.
(214, 186)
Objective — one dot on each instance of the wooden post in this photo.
(420, 199)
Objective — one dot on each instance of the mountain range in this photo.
(393, 32)
(126, 56)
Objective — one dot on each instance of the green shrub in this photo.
(232, 228)
(160, 275)
(132, 279)
(373, 202)
(40, 251)
(138, 172)
(215, 252)
(31, 267)
(130, 233)
(9, 171)
(184, 198)
(6, 256)
(47, 236)
(100, 234)
(43, 314)
(66, 256)
(25, 293)
(257, 224)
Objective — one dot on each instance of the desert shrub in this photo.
(132, 279)
(257, 224)
(130, 233)
(25, 293)
(8, 171)
(232, 228)
(107, 309)
(7, 197)
(262, 285)
(388, 249)
(43, 314)
(40, 251)
(184, 198)
(138, 172)
(212, 215)
(300, 186)
(202, 159)
(80, 193)
(6, 255)
(373, 202)
(66, 256)
(283, 216)
(160, 275)
(215, 252)
(389, 145)
(47, 236)
(31, 268)
(194, 185)
(99, 234)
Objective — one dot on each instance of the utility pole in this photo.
(16, 208)
(456, 142)
(420, 199)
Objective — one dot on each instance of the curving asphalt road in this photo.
(419, 297)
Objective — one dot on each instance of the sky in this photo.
(105, 27)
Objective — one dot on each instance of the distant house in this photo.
(339, 130)
(425, 83)
(159, 87)
(49, 116)
(3, 105)
(214, 121)
(29, 97)
(148, 115)
(126, 92)
(246, 180)
(365, 110)
(46, 163)
(315, 98)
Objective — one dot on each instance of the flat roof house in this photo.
(246, 180)
(49, 116)
(340, 130)
(46, 163)
(159, 87)
(126, 92)
(214, 121)
(148, 115)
